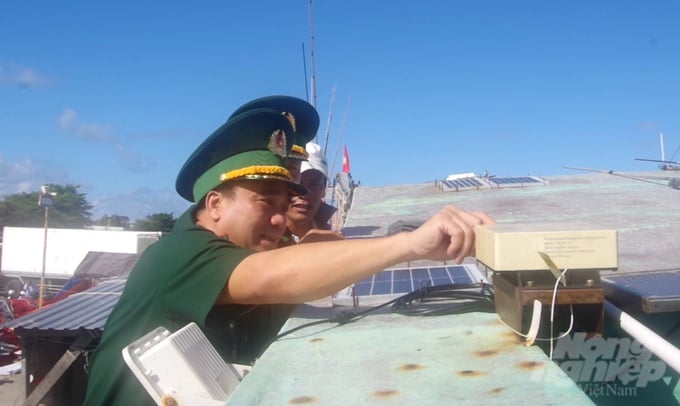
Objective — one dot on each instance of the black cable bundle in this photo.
(446, 299)
(426, 301)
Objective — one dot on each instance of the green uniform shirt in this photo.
(176, 281)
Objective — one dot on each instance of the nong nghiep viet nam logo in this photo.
(604, 360)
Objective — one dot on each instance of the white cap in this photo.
(316, 160)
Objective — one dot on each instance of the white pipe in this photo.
(666, 351)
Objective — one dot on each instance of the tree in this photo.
(156, 222)
(70, 209)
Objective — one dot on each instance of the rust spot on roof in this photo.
(509, 334)
(410, 367)
(496, 391)
(168, 400)
(512, 337)
(388, 393)
(316, 340)
(531, 365)
(485, 353)
(470, 373)
(302, 400)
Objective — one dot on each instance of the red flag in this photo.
(345, 161)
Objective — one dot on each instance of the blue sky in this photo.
(114, 97)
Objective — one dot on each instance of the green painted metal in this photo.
(395, 359)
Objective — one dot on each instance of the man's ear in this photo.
(213, 202)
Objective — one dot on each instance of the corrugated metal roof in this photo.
(98, 264)
(87, 310)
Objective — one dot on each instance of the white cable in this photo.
(571, 324)
(535, 323)
(552, 309)
(531, 336)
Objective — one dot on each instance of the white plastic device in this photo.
(182, 365)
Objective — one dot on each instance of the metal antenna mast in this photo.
(342, 134)
(304, 66)
(663, 154)
(311, 34)
(328, 125)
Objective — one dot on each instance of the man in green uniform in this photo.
(218, 267)
(179, 279)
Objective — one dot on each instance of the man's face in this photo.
(306, 207)
(254, 215)
(293, 166)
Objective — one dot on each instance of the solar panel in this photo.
(649, 291)
(514, 181)
(463, 183)
(398, 281)
(475, 182)
(469, 182)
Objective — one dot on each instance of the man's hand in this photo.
(317, 235)
(449, 234)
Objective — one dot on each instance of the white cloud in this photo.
(94, 132)
(27, 176)
(69, 122)
(21, 76)
(130, 160)
(133, 161)
(67, 119)
(138, 204)
(13, 176)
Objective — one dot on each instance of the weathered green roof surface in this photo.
(405, 360)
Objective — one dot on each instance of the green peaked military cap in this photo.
(251, 145)
(302, 115)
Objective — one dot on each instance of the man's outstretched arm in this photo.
(305, 272)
